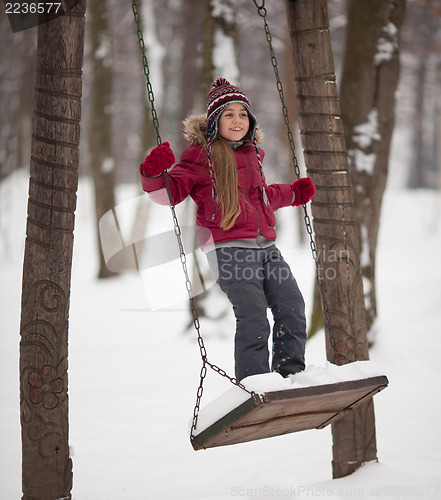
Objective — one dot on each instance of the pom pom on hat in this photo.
(219, 82)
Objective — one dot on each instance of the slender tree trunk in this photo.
(23, 119)
(417, 177)
(438, 130)
(46, 465)
(101, 149)
(17, 70)
(316, 319)
(208, 46)
(335, 224)
(368, 87)
(220, 30)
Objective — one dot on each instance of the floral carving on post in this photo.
(45, 387)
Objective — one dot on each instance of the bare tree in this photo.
(46, 465)
(102, 161)
(421, 43)
(368, 88)
(17, 69)
(335, 224)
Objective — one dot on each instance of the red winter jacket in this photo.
(190, 176)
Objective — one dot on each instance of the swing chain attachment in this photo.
(261, 9)
(146, 69)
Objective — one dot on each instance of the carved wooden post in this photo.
(46, 466)
(335, 225)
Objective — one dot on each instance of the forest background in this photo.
(187, 47)
(188, 43)
(181, 48)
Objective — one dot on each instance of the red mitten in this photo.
(304, 190)
(160, 158)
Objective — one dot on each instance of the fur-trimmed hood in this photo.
(195, 128)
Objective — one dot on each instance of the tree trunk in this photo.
(417, 173)
(368, 87)
(46, 465)
(17, 70)
(335, 224)
(437, 116)
(25, 98)
(316, 319)
(208, 46)
(221, 44)
(191, 68)
(102, 159)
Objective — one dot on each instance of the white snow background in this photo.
(133, 372)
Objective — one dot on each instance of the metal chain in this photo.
(146, 70)
(261, 10)
(196, 324)
(182, 254)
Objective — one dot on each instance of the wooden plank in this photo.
(283, 412)
(357, 403)
(203, 439)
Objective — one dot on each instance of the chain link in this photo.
(146, 69)
(261, 10)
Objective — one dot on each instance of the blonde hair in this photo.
(225, 170)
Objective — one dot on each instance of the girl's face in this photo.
(234, 122)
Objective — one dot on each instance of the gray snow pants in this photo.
(253, 280)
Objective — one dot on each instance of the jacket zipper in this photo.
(248, 191)
(214, 213)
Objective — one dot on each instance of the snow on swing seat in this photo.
(311, 399)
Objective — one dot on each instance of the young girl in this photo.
(222, 171)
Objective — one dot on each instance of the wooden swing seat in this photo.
(293, 410)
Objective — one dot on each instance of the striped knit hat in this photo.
(220, 96)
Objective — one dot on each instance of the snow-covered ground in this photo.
(133, 374)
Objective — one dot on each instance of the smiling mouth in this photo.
(236, 129)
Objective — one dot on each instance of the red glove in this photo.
(160, 158)
(304, 190)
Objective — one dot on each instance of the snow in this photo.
(365, 162)
(365, 259)
(133, 373)
(223, 10)
(386, 47)
(107, 165)
(104, 50)
(364, 135)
